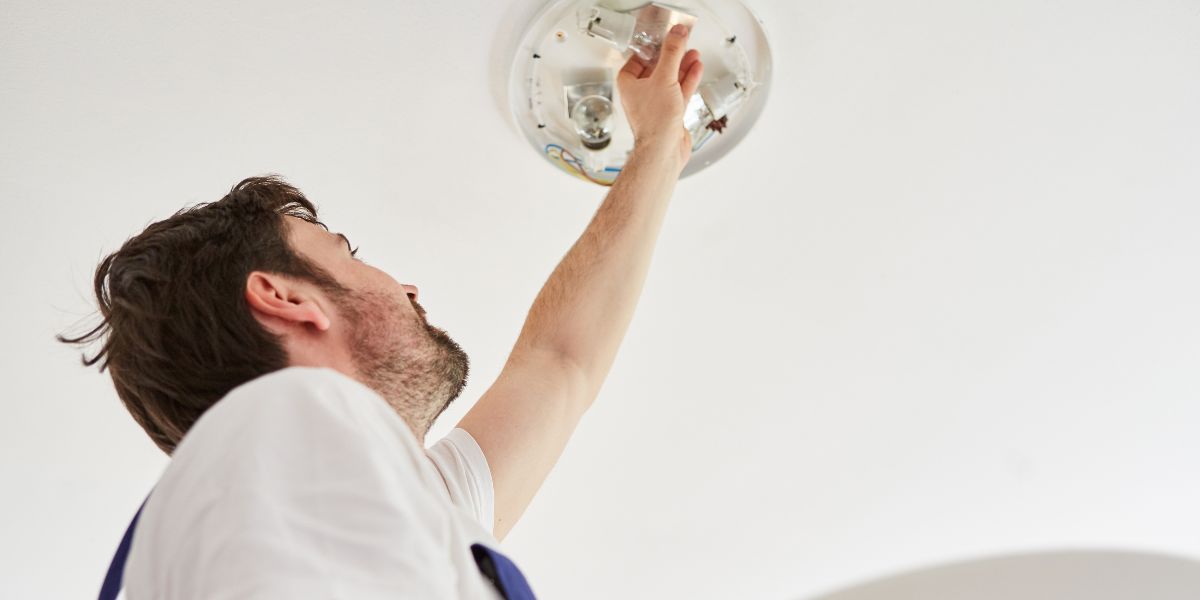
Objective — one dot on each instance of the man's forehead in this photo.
(305, 229)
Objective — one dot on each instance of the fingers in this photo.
(633, 67)
(691, 80)
(671, 55)
(689, 59)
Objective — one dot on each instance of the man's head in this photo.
(224, 292)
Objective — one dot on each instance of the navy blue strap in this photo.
(502, 572)
(116, 569)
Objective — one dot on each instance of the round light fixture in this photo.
(562, 88)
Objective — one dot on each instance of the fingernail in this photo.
(679, 29)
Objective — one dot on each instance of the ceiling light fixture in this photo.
(562, 81)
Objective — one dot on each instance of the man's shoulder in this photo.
(299, 454)
(288, 429)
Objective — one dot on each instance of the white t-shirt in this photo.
(305, 484)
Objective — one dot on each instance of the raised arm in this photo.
(579, 318)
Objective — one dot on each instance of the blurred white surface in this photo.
(1095, 575)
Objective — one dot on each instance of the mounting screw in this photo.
(731, 39)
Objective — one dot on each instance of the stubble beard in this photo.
(417, 368)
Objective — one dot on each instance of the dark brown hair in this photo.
(177, 331)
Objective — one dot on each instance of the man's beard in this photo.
(415, 366)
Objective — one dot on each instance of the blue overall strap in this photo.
(116, 569)
(502, 573)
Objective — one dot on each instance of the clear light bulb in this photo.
(592, 117)
(709, 108)
(641, 30)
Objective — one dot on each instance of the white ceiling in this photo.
(940, 304)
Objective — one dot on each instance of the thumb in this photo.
(671, 55)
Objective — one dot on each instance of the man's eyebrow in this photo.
(349, 247)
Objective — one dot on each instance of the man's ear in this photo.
(279, 301)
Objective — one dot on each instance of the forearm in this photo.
(584, 309)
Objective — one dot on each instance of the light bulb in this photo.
(709, 108)
(592, 117)
(642, 30)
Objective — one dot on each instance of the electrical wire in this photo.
(571, 164)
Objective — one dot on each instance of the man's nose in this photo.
(411, 290)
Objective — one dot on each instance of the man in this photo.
(293, 386)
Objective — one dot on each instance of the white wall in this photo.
(940, 304)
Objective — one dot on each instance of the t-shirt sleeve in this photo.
(464, 467)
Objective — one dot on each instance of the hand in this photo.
(654, 96)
